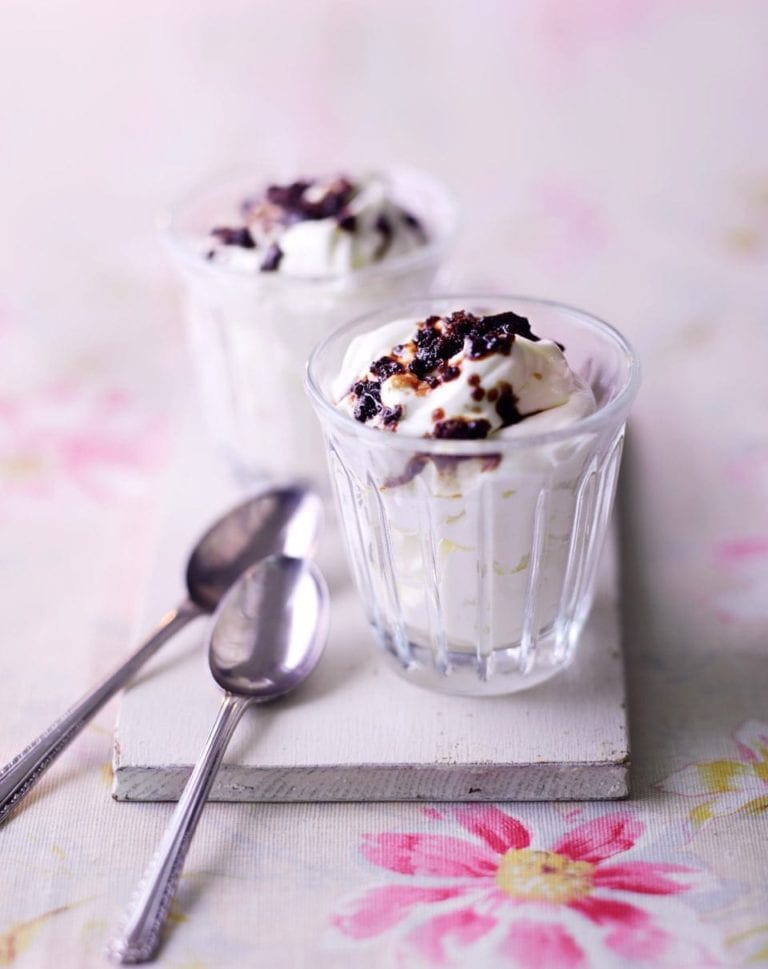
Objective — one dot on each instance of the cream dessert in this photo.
(270, 271)
(481, 538)
(317, 227)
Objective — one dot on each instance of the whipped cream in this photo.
(316, 227)
(461, 376)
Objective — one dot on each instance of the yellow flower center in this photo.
(544, 876)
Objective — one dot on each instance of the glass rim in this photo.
(182, 243)
(374, 436)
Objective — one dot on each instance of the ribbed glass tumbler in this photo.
(249, 334)
(476, 560)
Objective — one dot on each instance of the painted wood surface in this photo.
(356, 731)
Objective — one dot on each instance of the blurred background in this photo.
(609, 153)
(596, 148)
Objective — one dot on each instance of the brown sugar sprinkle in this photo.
(403, 381)
(474, 380)
(438, 414)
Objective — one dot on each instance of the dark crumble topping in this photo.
(272, 259)
(431, 359)
(390, 417)
(384, 226)
(506, 406)
(289, 196)
(292, 199)
(385, 367)
(234, 237)
(459, 428)
(435, 344)
(440, 338)
(310, 199)
(496, 334)
(368, 394)
(386, 231)
(369, 405)
(514, 323)
(414, 225)
(284, 205)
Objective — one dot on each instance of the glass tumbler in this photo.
(250, 334)
(476, 559)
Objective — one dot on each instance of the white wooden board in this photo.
(355, 730)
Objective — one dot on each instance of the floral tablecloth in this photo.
(609, 153)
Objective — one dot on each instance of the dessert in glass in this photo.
(474, 445)
(270, 267)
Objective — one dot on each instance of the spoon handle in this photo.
(20, 774)
(140, 936)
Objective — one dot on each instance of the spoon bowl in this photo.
(269, 631)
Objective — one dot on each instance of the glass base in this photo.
(505, 670)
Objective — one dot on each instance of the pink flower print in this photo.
(727, 786)
(66, 437)
(500, 896)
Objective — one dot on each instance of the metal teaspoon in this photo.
(276, 520)
(269, 633)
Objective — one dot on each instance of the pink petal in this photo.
(633, 934)
(599, 839)
(646, 877)
(426, 854)
(648, 943)
(741, 549)
(541, 945)
(499, 830)
(607, 911)
(434, 939)
(380, 908)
